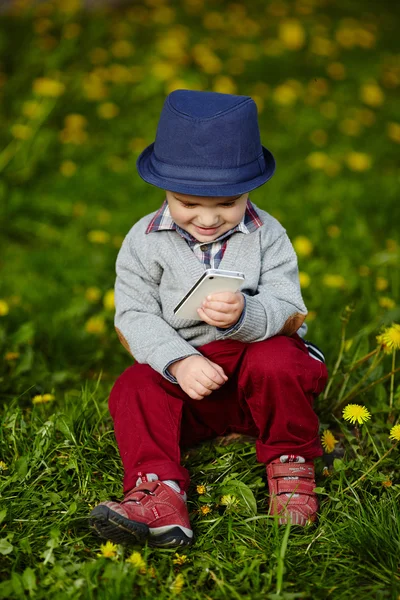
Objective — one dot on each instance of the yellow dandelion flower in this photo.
(75, 121)
(358, 161)
(381, 284)
(292, 34)
(73, 136)
(122, 48)
(98, 56)
(334, 281)
(322, 46)
(356, 413)
(3, 466)
(95, 325)
(224, 85)
(180, 559)
(393, 131)
(395, 433)
(11, 355)
(43, 399)
(386, 302)
(108, 300)
(205, 510)
(43, 86)
(93, 87)
(163, 15)
(364, 271)
(107, 110)
(21, 132)
(319, 137)
(372, 94)
(67, 168)
(70, 6)
(229, 500)
(328, 109)
(177, 584)
(336, 70)
(304, 279)
(284, 95)
(390, 338)
(333, 231)
(392, 245)
(303, 245)
(163, 70)
(387, 483)
(93, 294)
(71, 31)
(325, 472)
(328, 441)
(317, 160)
(311, 316)
(137, 561)
(346, 36)
(108, 550)
(4, 308)
(214, 20)
(350, 127)
(97, 236)
(32, 109)
(201, 489)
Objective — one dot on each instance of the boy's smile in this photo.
(206, 217)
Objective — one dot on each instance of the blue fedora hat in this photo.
(207, 144)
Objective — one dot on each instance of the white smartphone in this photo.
(212, 281)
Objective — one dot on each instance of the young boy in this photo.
(243, 365)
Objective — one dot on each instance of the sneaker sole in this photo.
(173, 537)
(112, 526)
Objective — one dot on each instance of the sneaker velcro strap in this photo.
(291, 486)
(291, 470)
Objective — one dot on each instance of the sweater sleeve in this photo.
(277, 308)
(139, 323)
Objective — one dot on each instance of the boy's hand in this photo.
(198, 376)
(223, 310)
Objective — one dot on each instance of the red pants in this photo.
(269, 395)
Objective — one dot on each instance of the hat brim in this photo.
(143, 166)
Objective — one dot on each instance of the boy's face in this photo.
(219, 214)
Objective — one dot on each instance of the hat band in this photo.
(198, 175)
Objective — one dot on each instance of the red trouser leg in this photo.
(269, 394)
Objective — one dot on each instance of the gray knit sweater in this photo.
(155, 270)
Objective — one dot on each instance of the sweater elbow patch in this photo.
(292, 324)
(123, 340)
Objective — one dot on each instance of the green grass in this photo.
(60, 458)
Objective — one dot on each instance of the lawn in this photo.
(81, 93)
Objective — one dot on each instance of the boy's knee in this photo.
(274, 355)
(136, 375)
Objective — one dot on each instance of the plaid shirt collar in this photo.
(162, 220)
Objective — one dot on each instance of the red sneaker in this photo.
(291, 487)
(151, 510)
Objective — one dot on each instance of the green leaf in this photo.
(338, 464)
(24, 334)
(72, 508)
(243, 493)
(29, 579)
(5, 547)
(3, 515)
